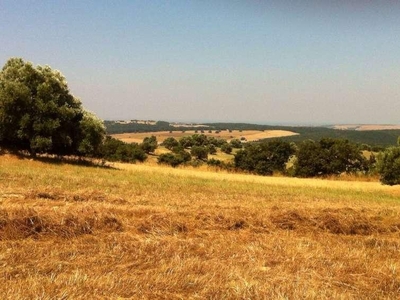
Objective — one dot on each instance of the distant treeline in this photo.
(114, 127)
(374, 138)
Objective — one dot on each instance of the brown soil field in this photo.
(250, 135)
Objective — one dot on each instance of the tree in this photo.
(199, 140)
(236, 143)
(199, 152)
(117, 150)
(39, 114)
(178, 157)
(264, 158)
(216, 142)
(170, 143)
(226, 148)
(211, 149)
(328, 157)
(92, 134)
(186, 142)
(388, 166)
(149, 144)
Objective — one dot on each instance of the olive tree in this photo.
(388, 165)
(264, 158)
(328, 157)
(149, 144)
(39, 114)
(199, 152)
(170, 143)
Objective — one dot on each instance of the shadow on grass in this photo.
(77, 161)
(60, 160)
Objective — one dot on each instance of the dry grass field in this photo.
(152, 232)
(250, 135)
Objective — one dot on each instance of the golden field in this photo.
(152, 232)
(249, 135)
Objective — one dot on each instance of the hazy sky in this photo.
(259, 61)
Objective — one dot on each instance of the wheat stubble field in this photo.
(150, 232)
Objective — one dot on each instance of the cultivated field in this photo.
(367, 127)
(153, 232)
(249, 135)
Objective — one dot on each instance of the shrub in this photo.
(388, 166)
(214, 162)
(328, 157)
(226, 148)
(211, 149)
(116, 150)
(149, 144)
(264, 158)
(186, 142)
(170, 143)
(199, 152)
(178, 157)
(235, 143)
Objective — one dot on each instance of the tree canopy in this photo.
(388, 165)
(39, 114)
(328, 157)
(264, 158)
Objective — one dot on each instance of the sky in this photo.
(266, 62)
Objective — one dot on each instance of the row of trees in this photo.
(201, 140)
(198, 146)
(307, 159)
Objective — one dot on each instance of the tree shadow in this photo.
(76, 161)
(60, 160)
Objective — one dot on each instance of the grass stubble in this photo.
(153, 232)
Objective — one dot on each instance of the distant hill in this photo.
(365, 127)
(373, 137)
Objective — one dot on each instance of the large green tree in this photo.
(149, 144)
(388, 165)
(39, 114)
(170, 143)
(264, 158)
(199, 152)
(328, 157)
